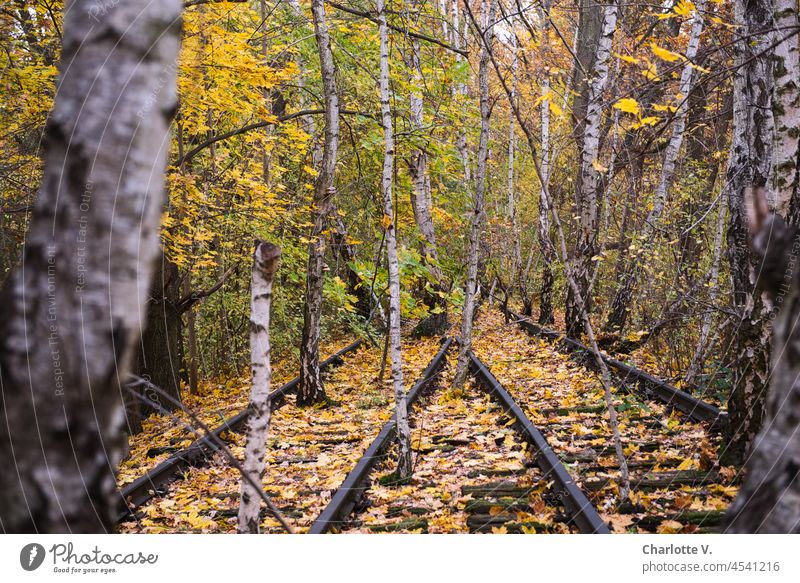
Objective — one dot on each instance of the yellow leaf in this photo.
(684, 8)
(664, 54)
(651, 72)
(599, 167)
(628, 105)
(386, 222)
(555, 108)
(627, 58)
(660, 107)
(538, 102)
(499, 530)
(646, 121)
(669, 527)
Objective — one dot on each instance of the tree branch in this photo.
(417, 35)
(191, 299)
(257, 125)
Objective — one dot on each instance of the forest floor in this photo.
(677, 485)
(218, 400)
(472, 471)
(309, 451)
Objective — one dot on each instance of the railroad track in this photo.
(694, 408)
(481, 466)
(347, 495)
(677, 483)
(152, 483)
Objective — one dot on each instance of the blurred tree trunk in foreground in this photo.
(74, 310)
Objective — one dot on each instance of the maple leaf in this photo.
(628, 105)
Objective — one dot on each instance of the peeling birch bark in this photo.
(749, 164)
(786, 111)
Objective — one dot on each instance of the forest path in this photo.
(677, 485)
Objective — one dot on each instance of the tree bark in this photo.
(769, 500)
(546, 313)
(265, 264)
(749, 165)
(786, 111)
(159, 356)
(588, 194)
(191, 338)
(478, 211)
(71, 317)
(311, 390)
(460, 42)
(404, 466)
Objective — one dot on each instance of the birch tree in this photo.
(265, 264)
(478, 211)
(460, 91)
(546, 315)
(588, 195)
(74, 310)
(749, 164)
(769, 499)
(404, 467)
(786, 111)
(620, 305)
(311, 390)
(516, 254)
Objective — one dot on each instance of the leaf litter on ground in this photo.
(676, 477)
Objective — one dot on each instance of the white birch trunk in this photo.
(311, 390)
(678, 127)
(265, 263)
(404, 465)
(588, 206)
(70, 319)
(786, 111)
(478, 212)
(749, 163)
(546, 315)
(516, 257)
(460, 42)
